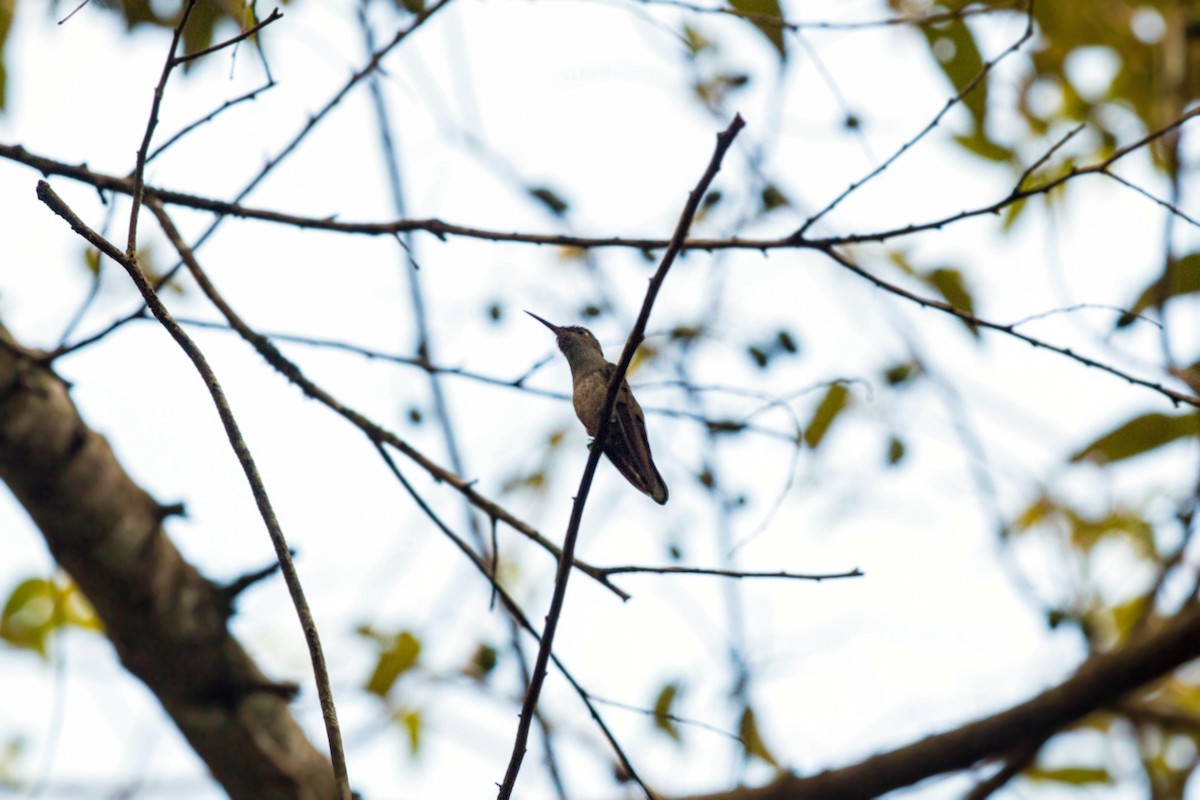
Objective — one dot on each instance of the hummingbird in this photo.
(627, 446)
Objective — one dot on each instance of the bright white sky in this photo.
(590, 98)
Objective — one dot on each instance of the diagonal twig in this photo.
(129, 263)
(724, 141)
(139, 171)
(372, 430)
(246, 34)
(516, 614)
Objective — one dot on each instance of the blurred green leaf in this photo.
(954, 49)
(663, 711)
(398, 656)
(1139, 435)
(695, 41)
(1011, 213)
(1185, 279)
(91, 260)
(1034, 514)
(7, 10)
(978, 143)
(758, 355)
(895, 451)
(1088, 531)
(951, 285)
(413, 724)
(899, 259)
(752, 740)
(766, 16)
(902, 373)
(29, 615)
(1128, 614)
(836, 399)
(482, 662)
(412, 6)
(201, 29)
(37, 607)
(686, 333)
(772, 197)
(550, 199)
(1074, 776)
(713, 91)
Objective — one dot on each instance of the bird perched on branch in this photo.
(626, 445)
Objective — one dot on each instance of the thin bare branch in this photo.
(733, 573)
(246, 34)
(758, 18)
(514, 610)
(1171, 207)
(987, 67)
(724, 141)
(245, 459)
(139, 171)
(209, 117)
(372, 430)
(443, 229)
(1174, 396)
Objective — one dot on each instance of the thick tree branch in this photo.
(1098, 684)
(166, 622)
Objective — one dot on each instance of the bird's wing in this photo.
(628, 447)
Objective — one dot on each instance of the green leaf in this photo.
(955, 51)
(91, 260)
(413, 724)
(902, 373)
(7, 10)
(1139, 435)
(201, 28)
(951, 285)
(752, 741)
(1128, 614)
(663, 711)
(895, 451)
(767, 17)
(29, 615)
(482, 662)
(786, 342)
(400, 656)
(695, 41)
(1011, 213)
(1185, 279)
(1087, 531)
(1075, 776)
(550, 199)
(836, 399)
(1034, 514)
(37, 607)
(772, 197)
(899, 259)
(977, 142)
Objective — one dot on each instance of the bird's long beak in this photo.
(549, 325)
